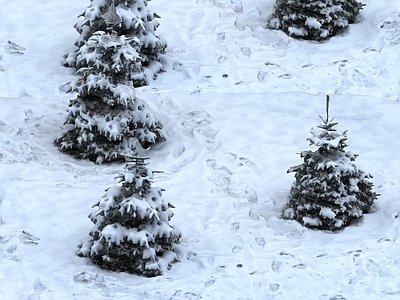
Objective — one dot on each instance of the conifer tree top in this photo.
(326, 136)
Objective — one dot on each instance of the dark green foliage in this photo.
(314, 19)
(129, 18)
(106, 119)
(131, 230)
(329, 191)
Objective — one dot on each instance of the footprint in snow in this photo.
(213, 165)
(4, 239)
(27, 238)
(1, 195)
(276, 266)
(235, 226)
(237, 6)
(171, 107)
(262, 76)
(337, 297)
(38, 285)
(195, 119)
(224, 178)
(184, 161)
(221, 59)
(178, 150)
(392, 27)
(374, 266)
(260, 241)
(196, 127)
(88, 277)
(206, 136)
(12, 253)
(13, 49)
(10, 249)
(221, 36)
(274, 287)
(5, 128)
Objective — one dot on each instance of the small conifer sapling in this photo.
(131, 230)
(130, 18)
(329, 190)
(106, 119)
(314, 19)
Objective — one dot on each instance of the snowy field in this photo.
(237, 102)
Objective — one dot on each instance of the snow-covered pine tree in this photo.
(134, 20)
(131, 230)
(314, 19)
(107, 118)
(329, 190)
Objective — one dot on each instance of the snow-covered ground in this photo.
(237, 102)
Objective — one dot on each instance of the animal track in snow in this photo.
(195, 119)
(392, 26)
(8, 248)
(4, 239)
(195, 125)
(107, 284)
(27, 238)
(240, 25)
(24, 152)
(235, 5)
(13, 49)
(1, 201)
(225, 177)
(88, 276)
(206, 136)
(38, 285)
(5, 128)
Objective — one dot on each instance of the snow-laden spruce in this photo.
(130, 18)
(314, 19)
(131, 230)
(107, 118)
(329, 190)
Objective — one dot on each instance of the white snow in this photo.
(312, 221)
(237, 102)
(313, 22)
(297, 31)
(326, 212)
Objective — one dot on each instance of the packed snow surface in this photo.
(237, 102)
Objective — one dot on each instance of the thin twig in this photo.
(327, 108)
